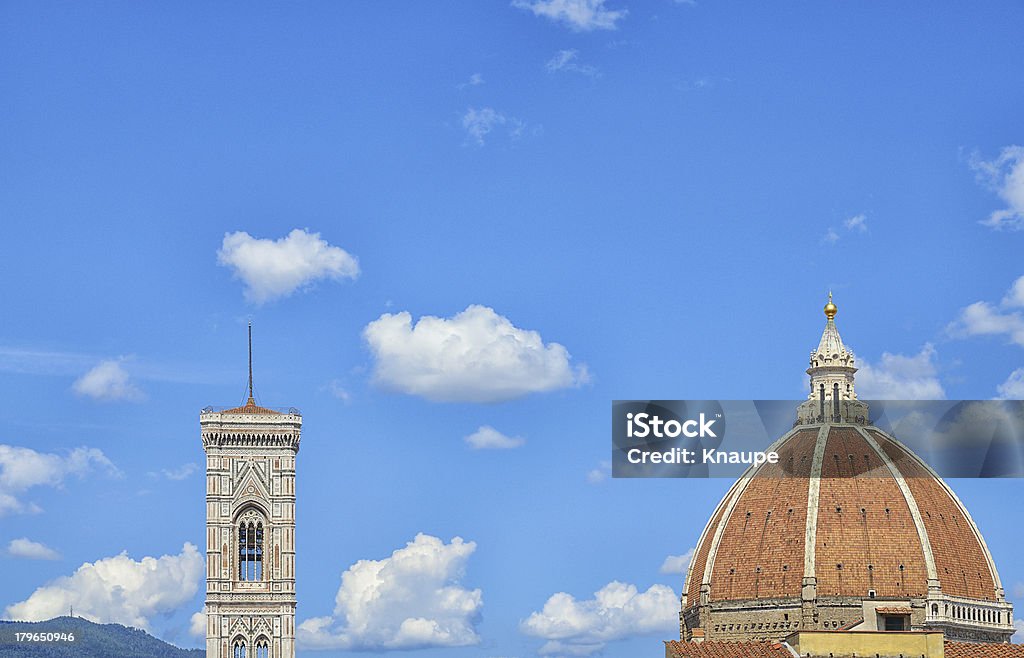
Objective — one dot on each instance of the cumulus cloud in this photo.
(900, 377)
(1004, 175)
(577, 15)
(413, 599)
(1013, 387)
(568, 60)
(488, 438)
(118, 589)
(107, 381)
(985, 319)
(22, 469)
(1015, 295)
(197, 624)
(31, 550)
(478, 124)
(988, 319)
(271, 269)
(475, 356)
(617, 611)
(677, 564)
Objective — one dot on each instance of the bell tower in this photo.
(250, 528)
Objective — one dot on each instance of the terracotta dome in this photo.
(849, 530)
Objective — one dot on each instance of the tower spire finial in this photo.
(251, 400)
(830, 308)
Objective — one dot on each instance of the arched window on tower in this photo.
(250, 547)
(238, 650)
(262, 648)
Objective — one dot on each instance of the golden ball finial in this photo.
(830, 308)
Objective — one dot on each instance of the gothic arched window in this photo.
(262, 648)
(250, 547)
(239, 649)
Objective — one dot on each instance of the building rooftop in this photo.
(712, 649)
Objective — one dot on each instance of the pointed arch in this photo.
(262, 647)
(250, 541)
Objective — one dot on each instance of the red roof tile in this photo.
(715, 649)
(251, 408)
(979, 650)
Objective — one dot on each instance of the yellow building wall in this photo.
(863, 644)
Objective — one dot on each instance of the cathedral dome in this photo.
(847, 530)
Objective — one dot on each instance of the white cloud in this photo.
(677, 564)
(488, 438)
(578, 15)
(413, 599)
(1013, 387)
(475, 80)
(31, 550)
(31, 361)
(181, 472)
(599, 474)
(23, 468)
(562, 59)
(986, 319)
(475, 356)
(900, 377)
(1005, 176)
(856, 223)
(197, 624)
(335, 388)
(478, 124)
(568, 60)
(118, 589)
(107, 381)
(271, 269)
(617, 611)
(1018, 636)
(1015, 295)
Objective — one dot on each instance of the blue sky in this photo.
(665, 190)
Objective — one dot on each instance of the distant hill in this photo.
(92, 640)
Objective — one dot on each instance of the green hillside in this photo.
(92, 640)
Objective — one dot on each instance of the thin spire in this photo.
(251, 400)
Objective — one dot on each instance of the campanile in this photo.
(250, 528)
